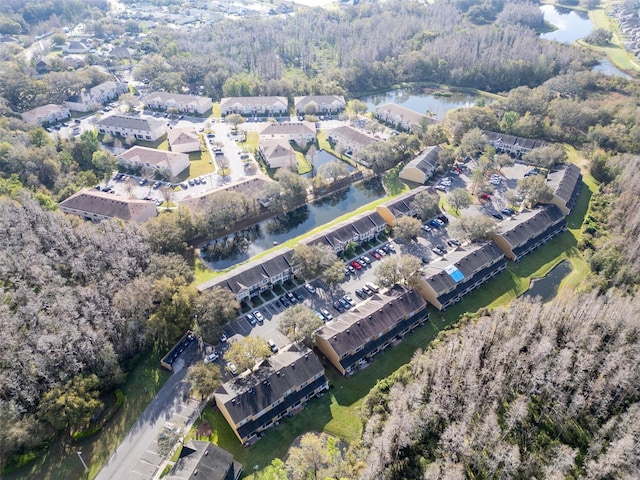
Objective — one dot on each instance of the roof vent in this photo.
(306, 357)
(358, 323)
(348, 332)
(293, 365)
(206, 453)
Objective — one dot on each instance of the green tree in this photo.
(212, 310)
(509, 121)
(312, 260)
(534, 189)
(504, 160)
(397, 269)
(204, 378)
(474, 227)
(407, 227)
(247, 353)
(277, 470)
(103, 163)
(309, 458)
(333, 170)
(235, 120)
(333, 275)
(459, 198)
(355, 108)
(72, 404)
(293, 188)
(473, 142)
(299, 325)
(428, 204)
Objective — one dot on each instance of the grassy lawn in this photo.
(304, 165)
(201, 164)
(160, 144)
(61, 460)
(392, 183)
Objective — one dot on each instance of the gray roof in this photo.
(403, 203)
(245, 396)
(177, 97)
(204, 460)
(127, 121)
(565, 181)
(513, 141)
(300, 102)
(367, 221)
(289, 128)
(354, 135)
(426, 160)
(230, 101)
(404, 113)
(368, 319)
(110, 205)
(467, 260)
(251, 187)
(251, 273)
(526, 225)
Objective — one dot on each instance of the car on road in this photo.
(156, 185)
(259, 316)
(310, 288)
(212, 357)
(250, 318)
(326, 314)
(77, 120)
(272, 346)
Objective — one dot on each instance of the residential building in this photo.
(183, 141)
(511, 144)
(302, 133)
(351, 141)
(181, 102)
(565, 181)
(359, 229)
(96, 206)
(204, 460)
(280, 386)
(520, 235)
(96, 96)
(254, 277)
(421, 168)
(75, 47)
(251, 187)
(319, 104)
(170, 164)
(149, 129)
(278, 153)
(351, 340)
(446, 280)
(73, 61)
(252, 106)
(46, 114)
(402, 206)
(402, 117)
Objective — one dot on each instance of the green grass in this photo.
(304, 165)
(392, 183)
(201, 164)
(61, 461)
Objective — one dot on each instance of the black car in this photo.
(497, 215)
(443, 218)
(360, 293)
(284, 301)
(338, 306)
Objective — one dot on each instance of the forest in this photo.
(509, 394)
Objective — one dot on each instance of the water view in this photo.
(607, 68)
(233, 249)
(571, 25)
(422, 101)
(546, 288)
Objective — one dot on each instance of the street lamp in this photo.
(82, 460)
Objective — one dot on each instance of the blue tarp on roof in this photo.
(454, 273)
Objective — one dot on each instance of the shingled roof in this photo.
(565, 182)
(108, 205)
(370, 318)
(528, 225)
(128, 121)
(204, 460)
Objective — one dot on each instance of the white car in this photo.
(212, 357)
(259, 316)
(232, 368)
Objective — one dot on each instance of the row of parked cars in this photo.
(364, 261)
(438, 222)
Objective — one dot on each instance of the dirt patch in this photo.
(204, 430)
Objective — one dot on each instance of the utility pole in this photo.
(82, 460)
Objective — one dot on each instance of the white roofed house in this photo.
(183, 141)
(49, 113)
(319, 103)
(421, 168)
(171, 164)
(181, 102)
(96, 96)
(150, 129)
(302, 133)
(254, 105)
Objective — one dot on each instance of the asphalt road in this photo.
(137, 457)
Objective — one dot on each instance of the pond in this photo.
(571, 25)
(323, 157)
(226, 252)
(422, 101)
(607, 68)
(546, 288)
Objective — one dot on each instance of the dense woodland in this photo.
(531, 391)
(81, 301)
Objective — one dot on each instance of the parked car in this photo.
(497, 216)
(356, 265)
(443, 218)
(376, 255)
(426, 228)
(367, 292)
(251, 319)
(291, 297)
(454, 241)
(360, 293)
(372, 286)
(232, 368)
(366, 259)
(338, 306)
(508, 211)
(485, 196)
(326, 314)
(437, 251)
(381, 252)
(259, 316)
(212, 357)
(284, 301)
(346, 305)
(319, 315)
(142, 182)
(272, 346)
(223, 338)
(350, 300)
(434, 223)
(310, 288)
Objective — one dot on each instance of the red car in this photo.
(356, 265)
(485, 196)
(376, 255)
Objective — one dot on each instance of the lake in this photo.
(546, 287)
(607, 68)
(571, 25)
(422, 101)
(225, 252)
